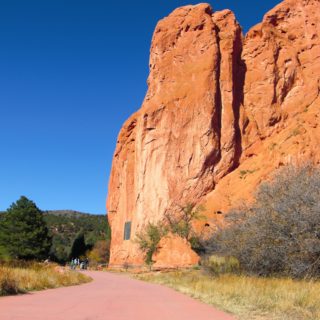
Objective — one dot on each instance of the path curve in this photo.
(108, 297)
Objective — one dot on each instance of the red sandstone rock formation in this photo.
(221, 113)
(174, 252)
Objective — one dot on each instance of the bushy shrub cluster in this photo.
(149, 238)
(99, 253)
(181, 224)
(280, 233)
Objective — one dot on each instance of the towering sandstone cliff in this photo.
(222, 112)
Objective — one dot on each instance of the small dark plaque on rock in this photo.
(127, 230)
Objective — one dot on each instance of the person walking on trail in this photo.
(71, 264)
(74, 263)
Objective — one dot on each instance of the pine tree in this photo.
(79, 247)
(23, 231)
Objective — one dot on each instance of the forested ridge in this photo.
(67, 225)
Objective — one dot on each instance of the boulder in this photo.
(174, 252)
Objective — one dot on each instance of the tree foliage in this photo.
(280, 233)
(64, 226)
(99, 253)
(23, 231)
(182, 224)
(149, 238)
(78, 248)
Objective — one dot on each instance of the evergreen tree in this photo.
(23, 231)
(79, 247)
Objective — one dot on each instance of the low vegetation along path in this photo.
(108, 297)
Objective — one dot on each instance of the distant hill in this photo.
(65, 225)
(76, 214)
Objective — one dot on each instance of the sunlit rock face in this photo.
(221, 113)
(174, 252)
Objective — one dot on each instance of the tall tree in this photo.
(23, 231)
(79, 247)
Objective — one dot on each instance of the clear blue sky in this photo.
(71, 72)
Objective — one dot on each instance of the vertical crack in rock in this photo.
(230, 90)
(238, 73)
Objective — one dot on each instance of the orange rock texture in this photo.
(174, 252)
(223, 111)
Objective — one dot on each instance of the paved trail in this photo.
(108, 297)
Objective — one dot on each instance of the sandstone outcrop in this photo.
(174, 252)
(222, 112)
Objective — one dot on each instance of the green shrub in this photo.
(180, 224)
(148, 239)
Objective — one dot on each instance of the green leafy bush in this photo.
(149, 238)
(180, 224)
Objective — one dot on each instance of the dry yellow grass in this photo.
(15, 279)
(247, 297)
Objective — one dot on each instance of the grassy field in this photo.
(24, 277)
(247, 297)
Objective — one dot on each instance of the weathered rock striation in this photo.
(222, 112)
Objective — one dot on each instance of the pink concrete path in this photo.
(108, 297)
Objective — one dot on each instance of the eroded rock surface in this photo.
(221, 113)
(174, 252)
